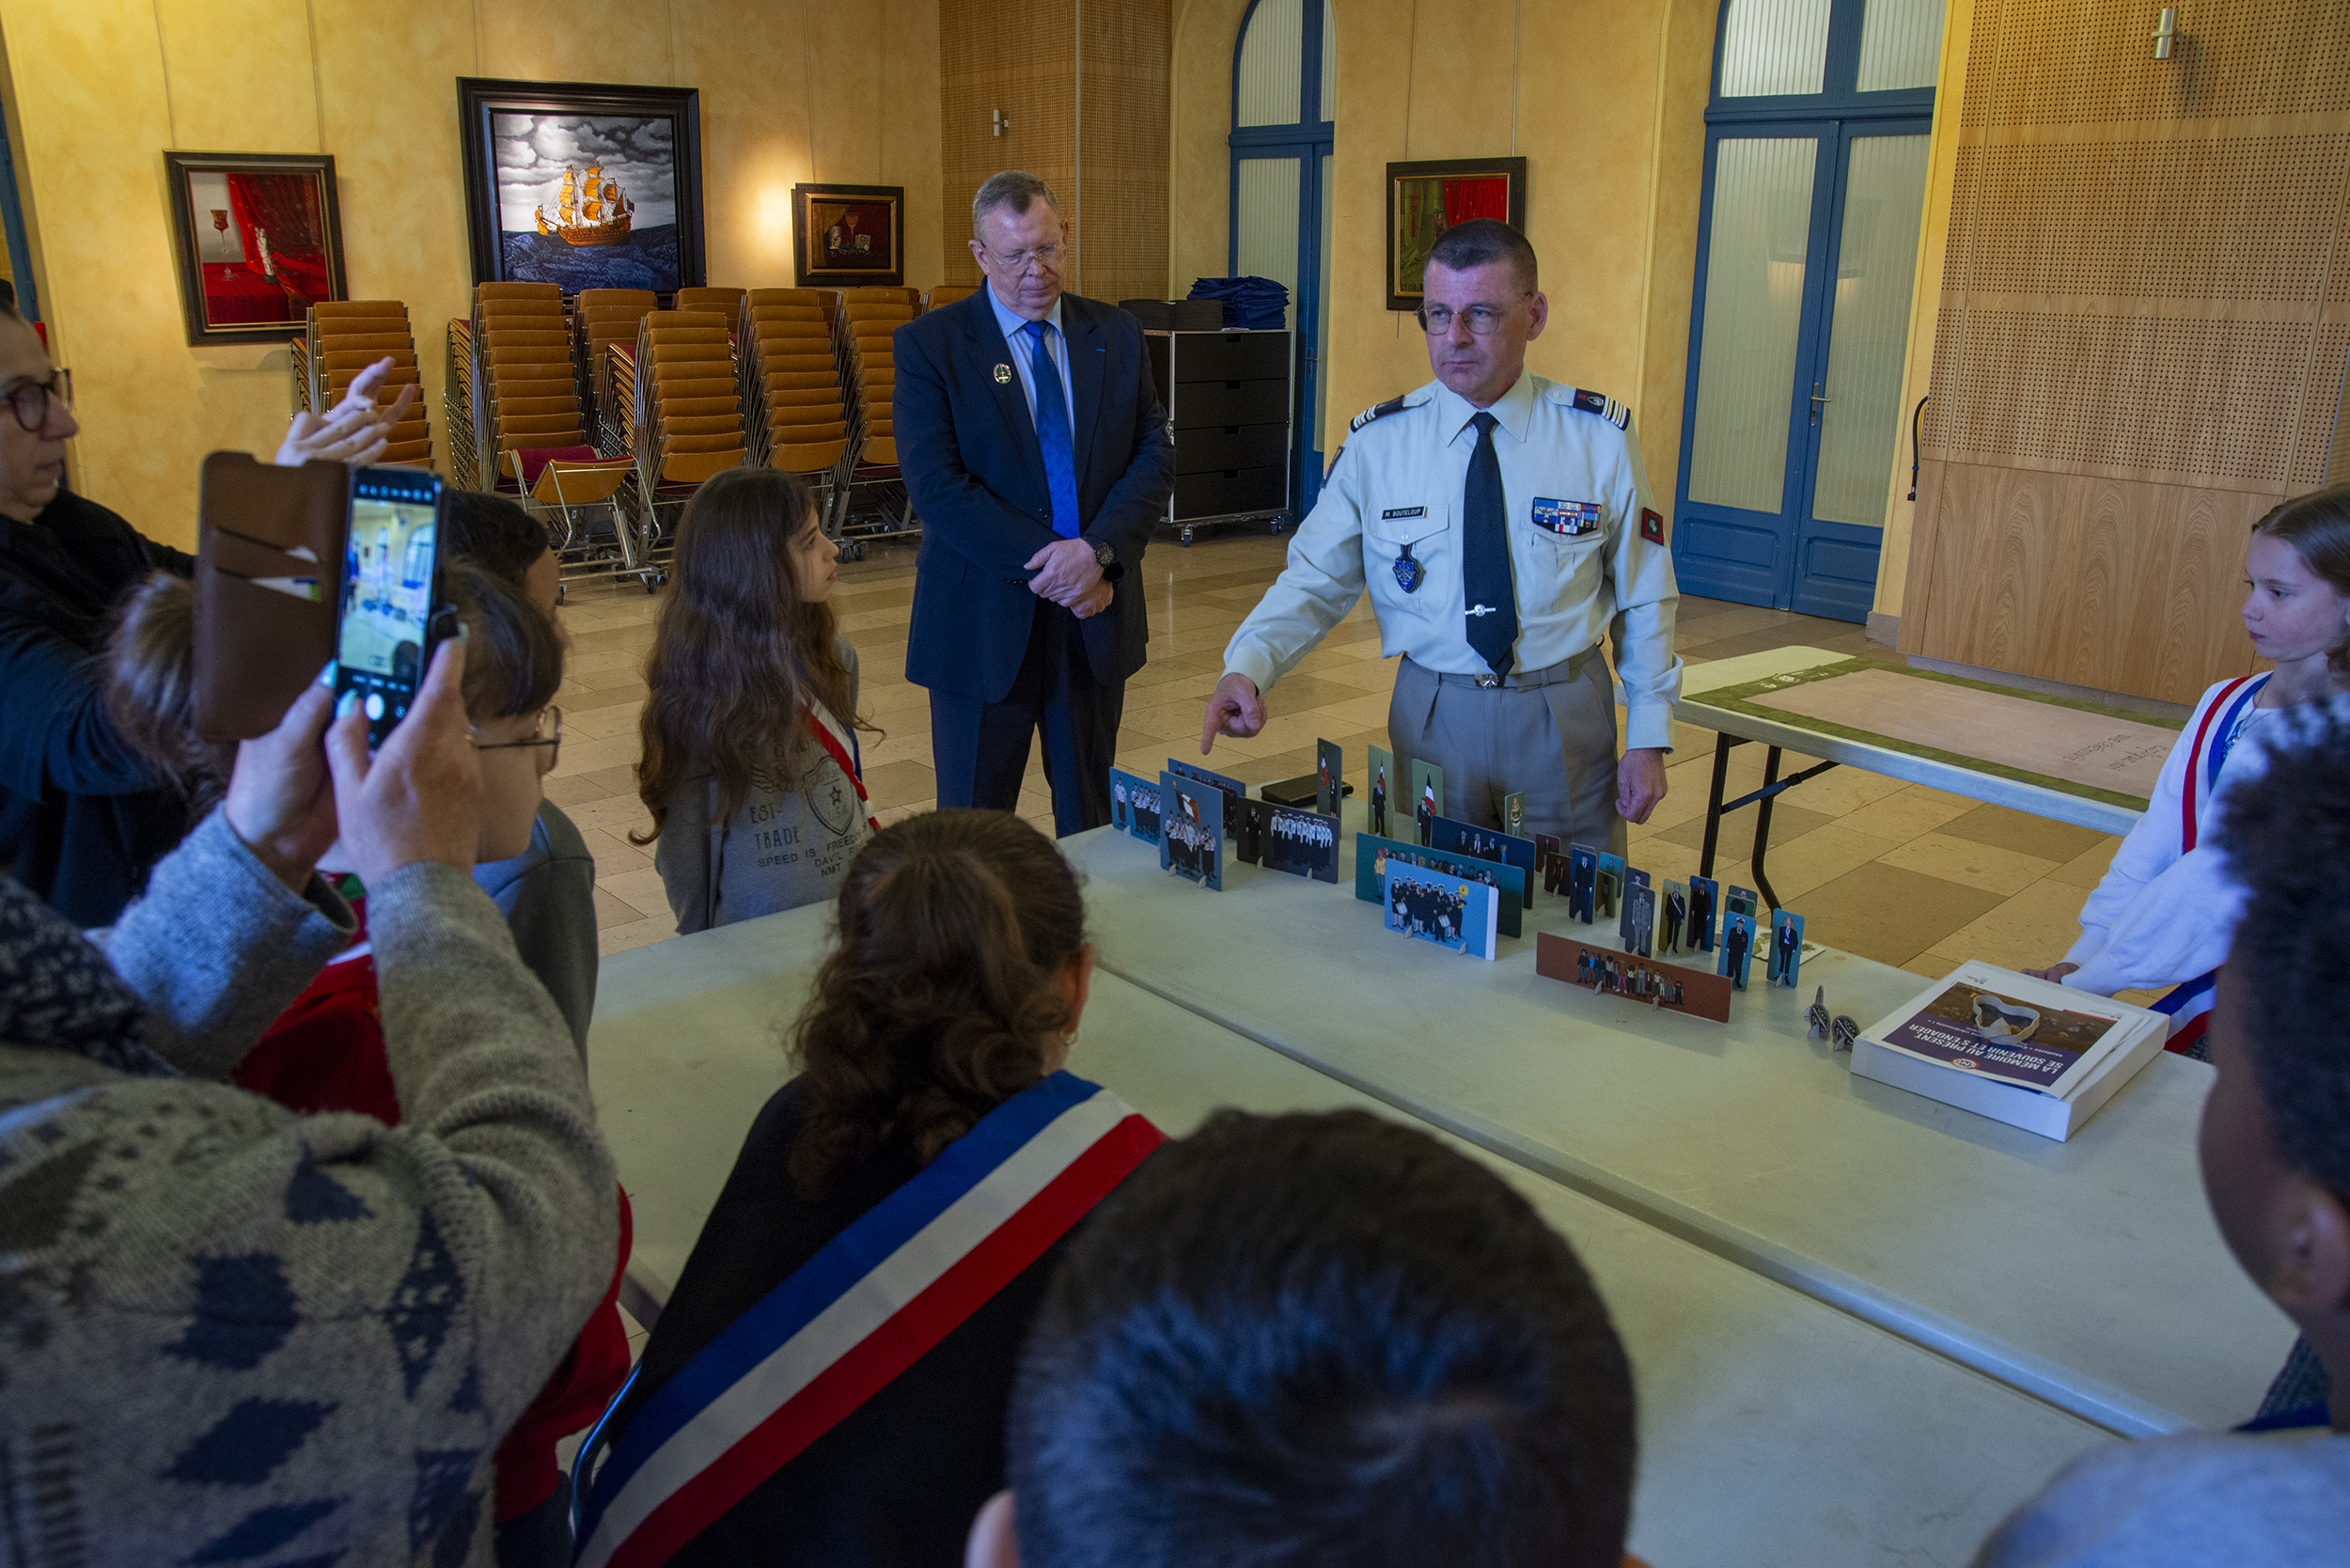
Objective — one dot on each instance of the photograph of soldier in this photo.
(1380, 764)
(1640, 922)
(1703, 891)
(1192, 826)
(1303, 843)
(1583, 882)
(1120, 817)
(1427, 909)
(1329, 777)
(1786, 947)
(1634, 879)
(1253, 815)
(1553, 873)
(1737, 946)
(1610, 888)
(1676, 915)
(1145, 810)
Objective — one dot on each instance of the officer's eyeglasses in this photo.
(550, 735)
(1436, 320)
(30, 400)
(1018, 260)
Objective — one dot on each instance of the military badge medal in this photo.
(1567, 518)
(1407, 571)
(1003, 374)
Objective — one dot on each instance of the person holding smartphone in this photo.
(82, 814)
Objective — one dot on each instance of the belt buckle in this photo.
(1488, 681)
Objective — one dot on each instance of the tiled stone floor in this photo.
(1898, 872)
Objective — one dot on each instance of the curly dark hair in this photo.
(1320, 1339)
(936, 1006)
(735, 646)
(2287, 838)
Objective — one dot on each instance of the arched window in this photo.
(1284, 96)
(1815, 177)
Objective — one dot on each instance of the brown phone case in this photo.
(256, 646)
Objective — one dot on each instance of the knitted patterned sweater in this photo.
(230, 1334)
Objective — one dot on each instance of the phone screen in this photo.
(383, 635)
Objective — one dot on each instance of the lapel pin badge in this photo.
(1003, 374)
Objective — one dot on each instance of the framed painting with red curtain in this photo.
(1426, 199)
(257, 239)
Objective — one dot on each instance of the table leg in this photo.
(1722, 742)
(1762, 828)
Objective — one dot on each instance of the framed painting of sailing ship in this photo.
(1426, 199)
(258, 240)
(848, 236)
(583, 185)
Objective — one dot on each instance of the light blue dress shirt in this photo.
(1056, 346)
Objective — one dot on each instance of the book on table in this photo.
(2005, 1045)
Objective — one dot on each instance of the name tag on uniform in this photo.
(1568, 518)
(1393, 512)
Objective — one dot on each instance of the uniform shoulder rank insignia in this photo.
(1605, 407)
(1378, 410)
(1652, 525)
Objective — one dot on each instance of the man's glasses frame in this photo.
(29, 400)
(1018, 261)
(549, 715)
(1483, 320)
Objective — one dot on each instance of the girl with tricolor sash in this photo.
(751, 769)
(829, 1382)
(2164, 915)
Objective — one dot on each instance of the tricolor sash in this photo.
(852, 762)
(2188, 1005)
(866, 1307)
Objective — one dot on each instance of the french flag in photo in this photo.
(867, 1306)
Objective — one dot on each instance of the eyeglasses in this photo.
(30, 400)
(1018, 260)
(550, 735)
(1436, 320)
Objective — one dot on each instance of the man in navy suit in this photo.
(1035, 448)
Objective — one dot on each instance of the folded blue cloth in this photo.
(1255, 304)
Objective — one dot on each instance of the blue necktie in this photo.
(1492, 602)
(1051, 431)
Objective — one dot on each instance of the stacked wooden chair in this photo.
(532, 426)
(723, 298)
(342, 338)
(601, 318)
(947, 293)
(868, 470)
(689, 410)
(456, 384)
(794, 413)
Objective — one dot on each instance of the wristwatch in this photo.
(1107, 559)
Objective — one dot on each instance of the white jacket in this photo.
(2164, 914)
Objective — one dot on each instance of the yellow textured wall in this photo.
(1200, 195)
(791, 91)
(1607, 104)
(1942, 173)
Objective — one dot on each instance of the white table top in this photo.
(1791, 732)
(1772, 1429)
(2087, 1272)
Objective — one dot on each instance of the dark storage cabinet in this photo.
(1228, 409)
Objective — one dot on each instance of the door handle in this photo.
(1819, 400)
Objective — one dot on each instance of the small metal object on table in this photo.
(1734, 729)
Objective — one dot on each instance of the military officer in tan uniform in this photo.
(1502, 523)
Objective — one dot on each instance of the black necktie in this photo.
(1493, 602)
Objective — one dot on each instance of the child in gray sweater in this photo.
(229, 1331)
(751, 764)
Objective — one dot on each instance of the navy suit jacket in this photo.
(968, 449)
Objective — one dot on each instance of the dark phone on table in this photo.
(390, 615)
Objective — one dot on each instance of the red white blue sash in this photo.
(867, 1306)
(2188, 1005)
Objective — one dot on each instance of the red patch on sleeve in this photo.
(1651, 525)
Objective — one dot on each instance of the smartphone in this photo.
(391, 617)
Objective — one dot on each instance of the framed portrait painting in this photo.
(583, 185)
(258, 240)
(848, 236)
(1426, 199)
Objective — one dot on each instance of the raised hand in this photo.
(355, 431)
(418, 798)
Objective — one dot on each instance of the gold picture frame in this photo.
(848, 236)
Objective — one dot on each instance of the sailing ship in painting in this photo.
(592, 210)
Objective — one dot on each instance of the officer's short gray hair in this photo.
(1481, 240)
(1014, 188)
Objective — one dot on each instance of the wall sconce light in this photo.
(2165, 32)
(1002, 121)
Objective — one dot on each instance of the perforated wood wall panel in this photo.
(2146, 281)
(1022, 57)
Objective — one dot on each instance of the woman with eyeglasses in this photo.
(82, 814)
